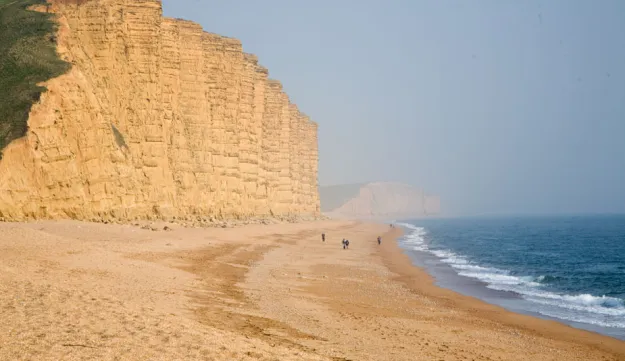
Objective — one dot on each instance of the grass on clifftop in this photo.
(27, 56)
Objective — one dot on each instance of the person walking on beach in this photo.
(323, 237)
(379, 240)
(346, 244)
(343, 242)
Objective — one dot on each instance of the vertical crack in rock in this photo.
(205, 132)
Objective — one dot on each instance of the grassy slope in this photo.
(27, 57)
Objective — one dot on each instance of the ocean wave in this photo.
(547, 279)
(501, 279)
(586, 308)
(584, 302)
(617, 323)
(415, 239)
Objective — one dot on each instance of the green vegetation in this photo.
(27, 57)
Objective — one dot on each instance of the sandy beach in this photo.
(84, 291)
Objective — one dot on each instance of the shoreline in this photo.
(447, 277)
(77, 290)
(421, 282)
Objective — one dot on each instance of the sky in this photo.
(498, 106)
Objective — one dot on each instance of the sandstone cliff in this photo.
(157, 119)
(380, 200)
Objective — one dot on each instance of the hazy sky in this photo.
(497, 106)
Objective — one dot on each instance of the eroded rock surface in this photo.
(157, 119)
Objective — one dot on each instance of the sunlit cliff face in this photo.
(157, 118)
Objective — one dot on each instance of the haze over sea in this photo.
(569, 268)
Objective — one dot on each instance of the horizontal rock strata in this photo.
(157, 119)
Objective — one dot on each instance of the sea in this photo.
(565, 268)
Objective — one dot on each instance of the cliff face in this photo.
(380, 200)
(157, 118)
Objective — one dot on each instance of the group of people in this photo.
(345, 242)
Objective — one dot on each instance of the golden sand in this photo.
(81, 291)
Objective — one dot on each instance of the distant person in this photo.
(346, 246)
(343, 242)
(379, 240)
(323, 237)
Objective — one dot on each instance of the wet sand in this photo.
(81, 291)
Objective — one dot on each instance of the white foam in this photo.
(592, 319)
(499, 279)
(415, 238)
(598, 310)
(476, 268)
(604, 305)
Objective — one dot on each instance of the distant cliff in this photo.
(380, 200)
(157, 119)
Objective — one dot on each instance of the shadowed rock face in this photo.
(380, 200)
(157, 118)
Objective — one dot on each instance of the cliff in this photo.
(157, 119)
(379, 200)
